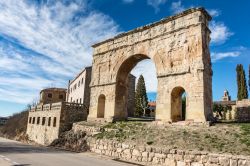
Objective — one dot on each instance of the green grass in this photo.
(245, 135)
(222, 137)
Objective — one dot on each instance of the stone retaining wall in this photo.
(163, 156)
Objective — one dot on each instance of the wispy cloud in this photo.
(156, 4)
(218, 56)
(177, 7)
(148, 70)
(220, 32)
(214, 12)
(47, 43)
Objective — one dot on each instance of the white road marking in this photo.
(9, 160)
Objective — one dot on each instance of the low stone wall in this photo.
(163, 156)
(242, 114)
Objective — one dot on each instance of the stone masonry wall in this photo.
(242, 111)
(44, 133)
(131, 95)
(46, 122)
(163, 156)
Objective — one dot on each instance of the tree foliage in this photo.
(241, 83)
(249, 77)
(141, 98)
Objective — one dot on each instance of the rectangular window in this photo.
(80, 100)
(49, 95)
(30, 119)
(71, 99)
(54, 122)
(60, 96)
(43, 121)
(76, 100)
(38, 121)
(34, 119)
(49, 122)
(82, 80)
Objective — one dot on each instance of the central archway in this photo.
(122, 84)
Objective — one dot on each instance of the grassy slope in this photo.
(16, 125)
(226, 138)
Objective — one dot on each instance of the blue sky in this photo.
(44, 43)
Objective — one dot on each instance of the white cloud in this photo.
(156, 3)
(58, 40)
(214, 12)
(218, 56)
(177, 7)
(220, 32)
(148, 70)
(128, 1)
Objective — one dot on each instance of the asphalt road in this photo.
(13, 153)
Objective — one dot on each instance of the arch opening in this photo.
(101, 106)
(178, 104)
(125, 86)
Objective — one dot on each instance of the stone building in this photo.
(152, 108)
(52, 116)
(226, 96)
(52, 95)
(236, 110)
(78, 88)
(179, 47)
(3, 120)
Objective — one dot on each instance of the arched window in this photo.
(43, 121)
(34, 119)
(101, 106)
(38, 120)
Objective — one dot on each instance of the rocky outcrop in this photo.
(73, 141)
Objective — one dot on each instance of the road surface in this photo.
(13, 153)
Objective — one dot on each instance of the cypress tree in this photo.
(238, 70)
(244, 84)
(241, 82)
(141, 98)
(249, 77)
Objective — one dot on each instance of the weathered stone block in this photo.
(181, 163)
(170, 162)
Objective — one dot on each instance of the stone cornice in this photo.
(164, 20)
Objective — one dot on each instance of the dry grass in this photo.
(15, 126)
(227, 138)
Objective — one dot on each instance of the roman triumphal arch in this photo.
(179, 48)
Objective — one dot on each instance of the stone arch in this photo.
(179, 47)
(121, 89)
(177, 112)
(101, 106)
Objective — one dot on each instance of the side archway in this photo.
(101, 106)
(178, 104)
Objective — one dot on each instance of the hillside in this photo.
(15, 128)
